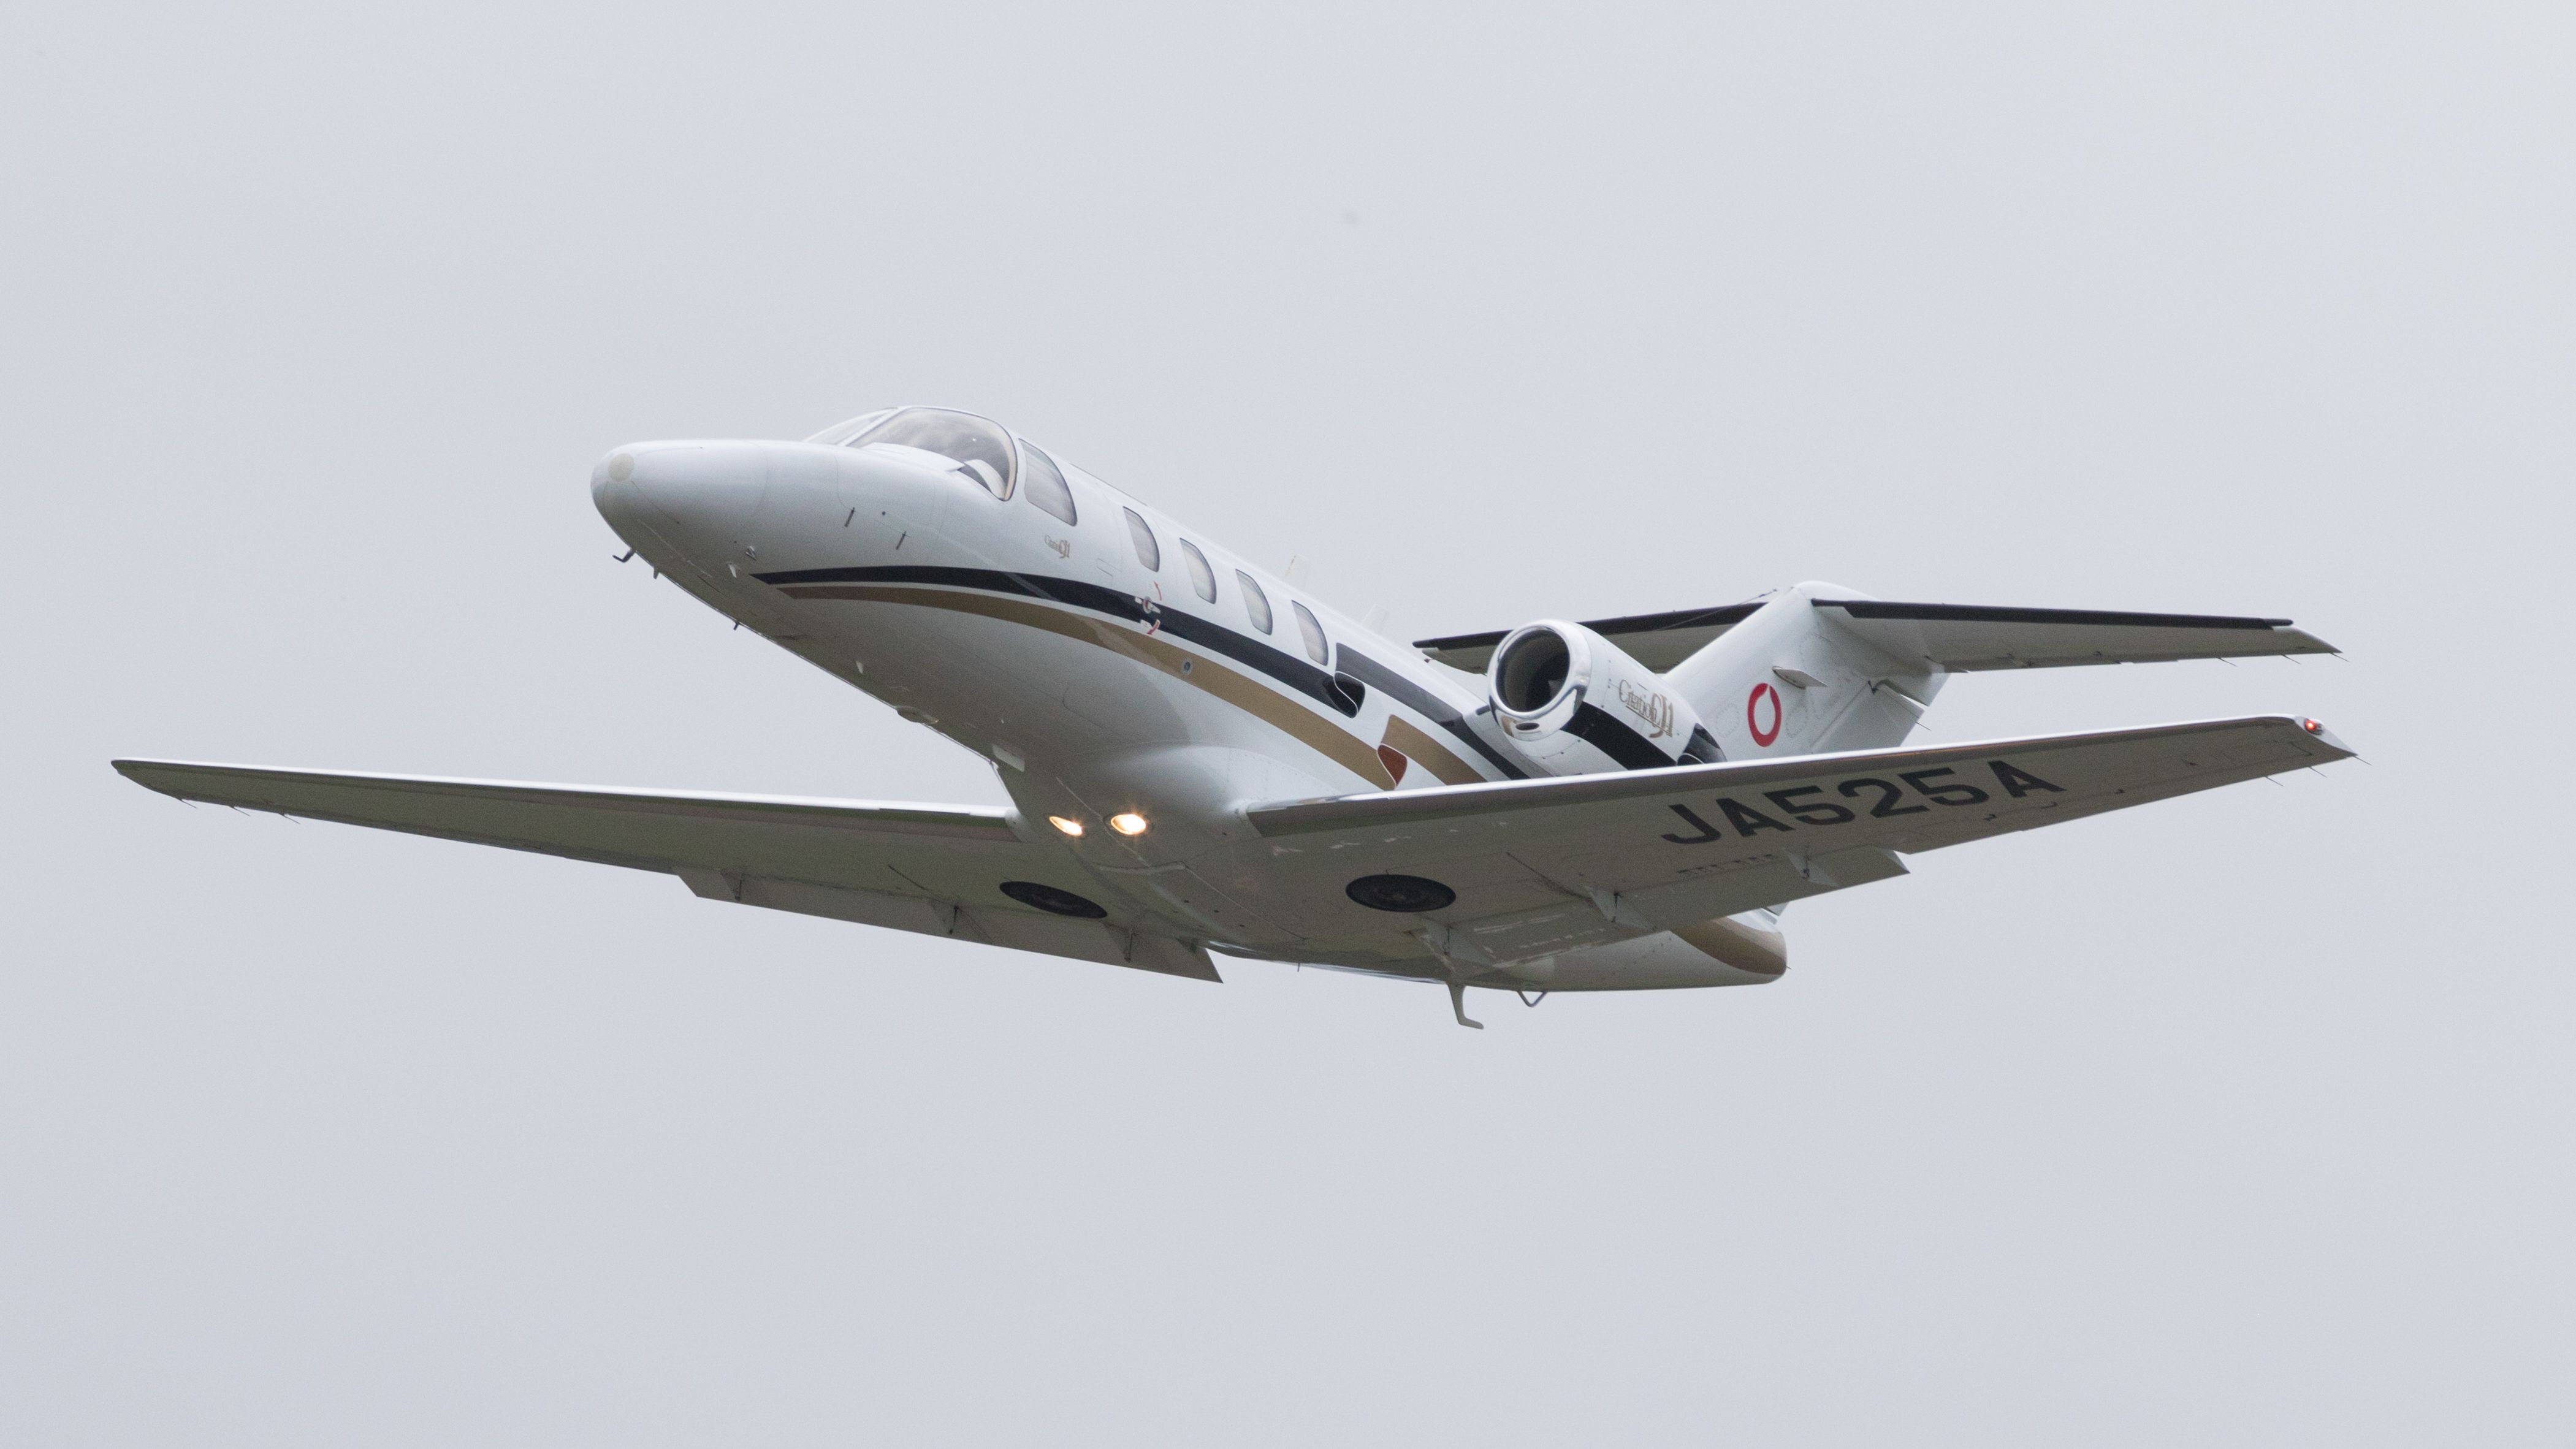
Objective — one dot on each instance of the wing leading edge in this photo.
(927, 868)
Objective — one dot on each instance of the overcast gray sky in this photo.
(2242, 1118)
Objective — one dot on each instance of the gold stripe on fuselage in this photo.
(1240, 690)
(1429, 753)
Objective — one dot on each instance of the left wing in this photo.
(935, 869)
(1674, 847)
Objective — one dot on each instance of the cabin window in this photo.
(1255, 602)
(1045, 482)
(1148, 552)
(978, 446)
(1313, 631)
(1202, 578)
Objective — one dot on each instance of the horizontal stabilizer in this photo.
(1657, 641)
(1962, 637)
(1953, 636)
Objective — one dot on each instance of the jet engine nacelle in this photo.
(1573, 703)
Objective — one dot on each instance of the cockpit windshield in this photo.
(977, 445)
(839, 433)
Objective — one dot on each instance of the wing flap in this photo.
(1771, 881)
(1018, 930)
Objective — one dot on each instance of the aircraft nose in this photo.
(703, 490)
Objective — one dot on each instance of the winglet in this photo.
(2318, 728)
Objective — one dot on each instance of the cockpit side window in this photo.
(976, 445)
(1313, 630)
(1202, 578)
(1044, 482)
(1148, 551)
(1255, 602)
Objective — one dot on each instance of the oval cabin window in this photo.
(1255, 602)
(1202, 578)
(1148, 552)
(1313, 632)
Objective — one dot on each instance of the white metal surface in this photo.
(1410, 832)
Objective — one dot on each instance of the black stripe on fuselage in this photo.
(1215, 638)
(1603, 731)
(1424, 703)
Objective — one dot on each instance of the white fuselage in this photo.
(1099, 687)
(1201, 759)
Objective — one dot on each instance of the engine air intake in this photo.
(1530, 672)
(1572, 702)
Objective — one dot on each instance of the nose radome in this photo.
(706, 491)
(612, 488)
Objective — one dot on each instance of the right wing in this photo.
(927, 868)
(1660, 849)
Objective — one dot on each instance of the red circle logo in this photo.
(1753, 714)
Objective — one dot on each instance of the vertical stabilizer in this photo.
(1793, 679)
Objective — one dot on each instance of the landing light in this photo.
(1069, 827)
(1128, 823)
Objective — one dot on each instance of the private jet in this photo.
(1204, 760)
